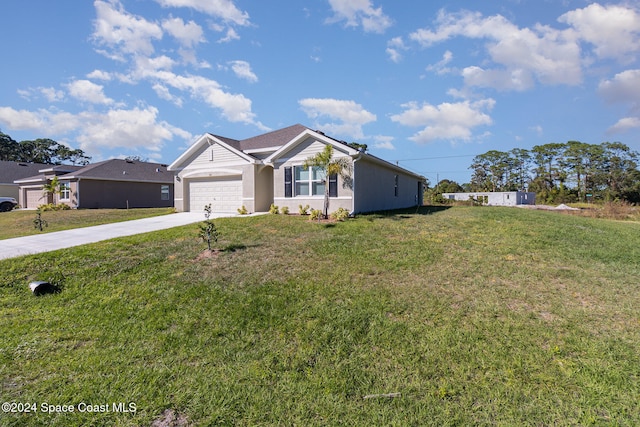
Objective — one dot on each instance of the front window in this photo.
(65, 190)
(164, 192)
(309, 182)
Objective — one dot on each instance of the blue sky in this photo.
(426, 84)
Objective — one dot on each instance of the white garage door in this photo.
(224, 194)
(34, 198)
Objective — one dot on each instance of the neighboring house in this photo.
(112, 183)
(507, 198)
(267, 169)
(11, 171)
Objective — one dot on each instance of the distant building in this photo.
(489, 198)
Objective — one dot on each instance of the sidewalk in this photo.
(11, 248)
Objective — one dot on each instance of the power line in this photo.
(435, 158)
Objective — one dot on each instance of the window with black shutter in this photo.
(288, 182)
(333, 185)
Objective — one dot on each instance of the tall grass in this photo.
(475, 316)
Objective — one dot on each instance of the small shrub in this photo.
(273, 209)
(284, 210)
(52, 207)
(316, 215)
(208, 231)
(340, 215)
(243, 210)
(303, 210)
(39, 223)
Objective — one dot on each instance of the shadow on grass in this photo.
(399, 214)
(234, 247)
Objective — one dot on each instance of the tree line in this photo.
(559, 172)
(41, 150)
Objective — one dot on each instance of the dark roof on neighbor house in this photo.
(46, 172)
(123, 170)
(11, 171)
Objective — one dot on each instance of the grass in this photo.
(19, 223)
(476, 316)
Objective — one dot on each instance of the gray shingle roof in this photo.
(123, 170)
(11, 171)
(277, 138)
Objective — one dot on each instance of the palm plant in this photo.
(50, 188)
(329, 165)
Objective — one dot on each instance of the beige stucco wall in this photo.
(263, 188)
(10, 190)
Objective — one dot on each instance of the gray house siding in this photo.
(102, 194)
(343, 200)
(380, 188)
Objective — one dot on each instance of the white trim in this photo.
(301, 138)
(211, 173)
(209, 139)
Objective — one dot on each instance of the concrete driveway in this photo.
(11, 248)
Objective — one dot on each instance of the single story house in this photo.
(11, 171)
(268, 169)
(114, 183)
(506, 198)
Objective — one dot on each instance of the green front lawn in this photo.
(19, 223)
(471, 316)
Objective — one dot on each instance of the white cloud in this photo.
(51, 94)
(145, 66)
(163, 92)
(500, 79)
(440, 67)
(624, 87)
(360, 13)
(447, 121)
(230, 36)
(242, 69)
(21, 119)
(124, 128)
(129, 128)
(122, 31)
(350, 115)
(625, 125)
(383, 142)
(84, 90)
(234, 107)
(614, 30)
(99, 75)
(188, 35)
(520, 54)
(394, 48)
(537, 129)
(223, 9)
